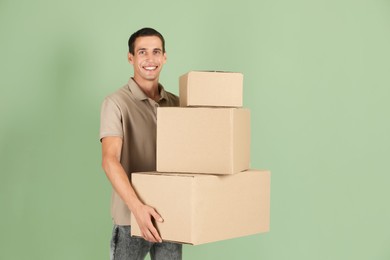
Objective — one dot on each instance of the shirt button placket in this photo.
(155, 106)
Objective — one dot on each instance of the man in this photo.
(128, 137)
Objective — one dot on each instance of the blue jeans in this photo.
(126, 247)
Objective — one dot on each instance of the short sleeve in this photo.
(110, 119)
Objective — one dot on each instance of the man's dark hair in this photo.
(144, 32)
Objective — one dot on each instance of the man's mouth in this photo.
(150, 68)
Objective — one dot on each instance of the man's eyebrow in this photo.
(144, 49)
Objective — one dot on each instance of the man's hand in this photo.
(144, 214)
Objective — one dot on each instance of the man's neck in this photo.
(150, 88)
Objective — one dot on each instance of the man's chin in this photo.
(151, 76)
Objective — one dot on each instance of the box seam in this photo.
(192, 236)
(188, 89)
(233, 137)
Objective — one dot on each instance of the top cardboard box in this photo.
(211, 89)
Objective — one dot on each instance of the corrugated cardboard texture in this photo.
(204, 88)
(203, 140)
(200, 208)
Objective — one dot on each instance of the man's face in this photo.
(148, 58)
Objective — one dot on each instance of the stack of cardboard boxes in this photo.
(203, 187)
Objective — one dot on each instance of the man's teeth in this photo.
(150, 68)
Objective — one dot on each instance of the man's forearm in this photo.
(120, 182)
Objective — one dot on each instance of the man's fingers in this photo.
(144, 219)
(155, 234)
(151, 235)
(147, 235)
(152, 232)
(155, 215)
(152, 228)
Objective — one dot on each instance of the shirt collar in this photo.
(140, 95)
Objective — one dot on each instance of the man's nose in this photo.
(149, 56)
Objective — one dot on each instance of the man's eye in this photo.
(157, 52)
(141, 52)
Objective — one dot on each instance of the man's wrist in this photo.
(135, 205)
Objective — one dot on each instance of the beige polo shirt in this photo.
(130, 114)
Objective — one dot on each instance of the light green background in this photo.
(316, 78)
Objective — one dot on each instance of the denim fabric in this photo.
(126, 247)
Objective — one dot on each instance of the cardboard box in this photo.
(201, 208)
(206, 88)
(203, 140)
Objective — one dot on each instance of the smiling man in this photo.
(128, 137)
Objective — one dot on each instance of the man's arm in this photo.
(111, 151)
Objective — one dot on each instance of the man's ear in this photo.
(130, 58)
(165, 57)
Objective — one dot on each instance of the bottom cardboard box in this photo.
(201, 208)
